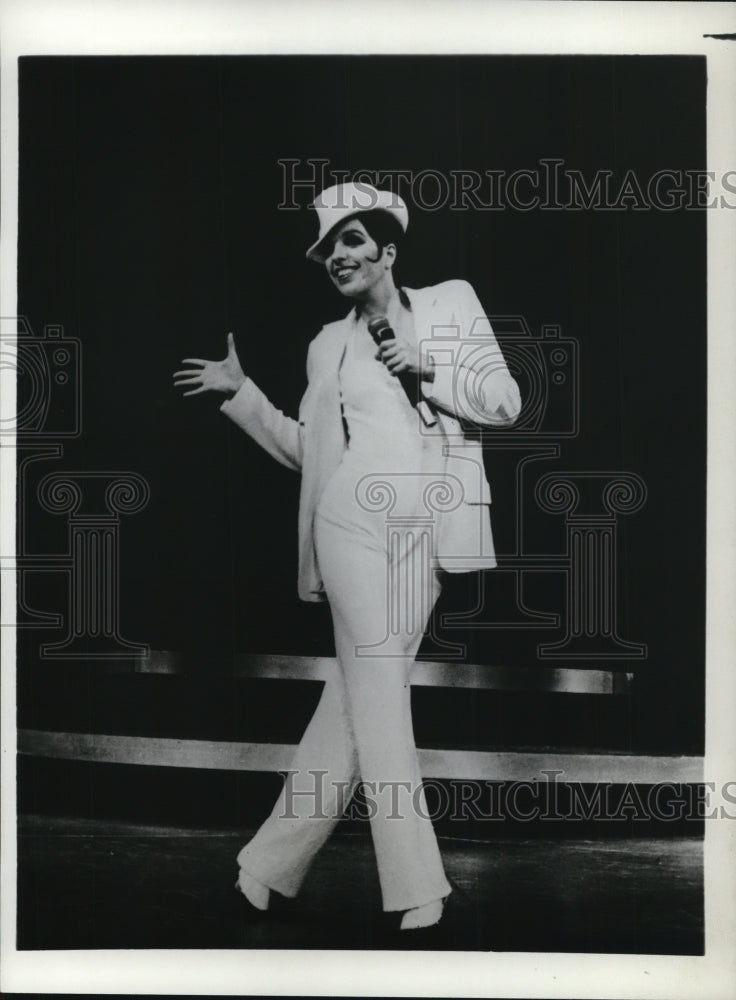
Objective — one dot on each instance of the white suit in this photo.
(377, 563)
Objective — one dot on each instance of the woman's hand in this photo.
(400, 355)
(217, 376)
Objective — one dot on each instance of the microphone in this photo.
(381, 331)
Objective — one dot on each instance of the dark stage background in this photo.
(149, 228)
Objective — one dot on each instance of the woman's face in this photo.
(354, 263)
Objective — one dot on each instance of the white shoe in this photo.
(255, 892)
(423, 916)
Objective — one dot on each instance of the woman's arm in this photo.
(248, 407)
(472, 381)
(280, 435)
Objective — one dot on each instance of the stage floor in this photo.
(86, 884)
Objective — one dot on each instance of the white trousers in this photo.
(381, 592)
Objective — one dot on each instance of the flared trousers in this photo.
(381, 588)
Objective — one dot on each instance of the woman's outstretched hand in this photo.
(216, 376)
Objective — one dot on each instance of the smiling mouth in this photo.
(343, 274)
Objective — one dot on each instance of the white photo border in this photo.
(242, 27)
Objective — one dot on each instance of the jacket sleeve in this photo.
(471, 379)
(281, 436)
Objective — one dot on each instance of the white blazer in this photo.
(472, 385)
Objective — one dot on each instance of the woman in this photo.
(392, 495)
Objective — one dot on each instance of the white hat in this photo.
(337, 203)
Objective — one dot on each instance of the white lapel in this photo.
(431, 315)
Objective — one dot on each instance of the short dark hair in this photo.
(381, 226)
